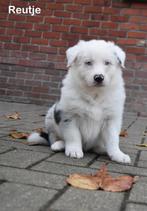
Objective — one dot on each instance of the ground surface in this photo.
(32, 178)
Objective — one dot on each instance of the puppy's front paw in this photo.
(74, 153)
(121, 158)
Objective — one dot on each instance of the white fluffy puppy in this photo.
(89, 112)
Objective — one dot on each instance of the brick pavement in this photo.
(32, 178)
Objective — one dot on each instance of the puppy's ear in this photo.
(72, 54)
(120, 54)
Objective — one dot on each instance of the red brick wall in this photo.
(32, 55)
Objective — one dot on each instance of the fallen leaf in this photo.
(141, 145)
(15, 116)
(18, 135)
(123, 133)
(82, 181)
(38, 130)
(102, 180)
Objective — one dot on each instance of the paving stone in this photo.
(5, 148)
(136, 207)
(62, 169)
(139, 193)
(122, 168)
(85, 200)
(21, 144)
(21, 158)
(143, 155)
(18, 197)
(61, 158)
(32, 177)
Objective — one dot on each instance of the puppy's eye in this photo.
(89, 63)
(107, 63)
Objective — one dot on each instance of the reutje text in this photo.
(30, 10)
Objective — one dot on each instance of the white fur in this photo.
(91, 113)
(35, 138)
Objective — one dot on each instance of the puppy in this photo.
(89, 112)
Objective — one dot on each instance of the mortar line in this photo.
(55, 198)
(124, 202)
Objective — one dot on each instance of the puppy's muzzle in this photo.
(99, 78)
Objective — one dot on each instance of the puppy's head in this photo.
(96, 61)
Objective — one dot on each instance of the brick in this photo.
(33, 34)
(54, 6)
(61, 14)
(34, 197)
(35, 19)
(12, 46)
(137, 34)
(138, 19)
(110, 10)
(117, 33)
(129, 26)
(127, 41)
(59, 28)
(67, 36)
(5, 38)
(24, 25)
(81, 16)
(119, 18)
(51, 35)
(42, 27)
(82, 2)
(73, 8)
(135, 50)
(7, 24)
(53, 20)
(39, 41)
(41, 89)
(15, 32)
(28, 47)
(98, 32)
(142, 74)
(71, 22)
(110, 25)
(143, 27)
(131, 11)
(58, 43)
(21, 39)
(76, 29)
(91, 23)
(100, 17)
(45, 49)
(90, 9)
(17, 17)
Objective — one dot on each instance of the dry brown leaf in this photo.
(39, 130)
(14, 116)
(123, 133)
(141, 145)
(18, 135)
(101, 180)
(82, 181)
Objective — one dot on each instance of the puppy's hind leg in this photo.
(56, 145)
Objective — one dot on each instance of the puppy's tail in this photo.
(38, 138)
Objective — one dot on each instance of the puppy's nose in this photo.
(99, 78)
